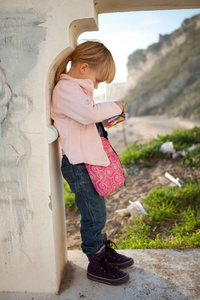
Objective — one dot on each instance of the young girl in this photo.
(78, 121)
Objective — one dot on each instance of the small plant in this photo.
(173, 220)
(182, 138)
(137, 152)
(192, 159)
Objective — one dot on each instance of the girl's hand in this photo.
(120, 104)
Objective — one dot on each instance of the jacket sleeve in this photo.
(70, 100)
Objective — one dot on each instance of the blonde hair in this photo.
(96, 55)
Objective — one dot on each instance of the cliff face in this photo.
(165, 77)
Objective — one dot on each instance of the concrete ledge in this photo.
(157, 274)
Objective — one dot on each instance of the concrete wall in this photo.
(107, 6)
(35, 37)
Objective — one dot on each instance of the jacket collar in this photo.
(86, 84)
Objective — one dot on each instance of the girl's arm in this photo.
(120, 104)
(71, 101)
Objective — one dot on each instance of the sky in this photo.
(123, 33)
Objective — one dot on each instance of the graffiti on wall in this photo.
(21, 34)
(15, 147)
(15, 150)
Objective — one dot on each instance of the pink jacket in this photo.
(75, 114)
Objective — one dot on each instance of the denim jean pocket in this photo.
(76, 175)
(68, 173)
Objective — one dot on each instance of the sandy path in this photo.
(143, 129)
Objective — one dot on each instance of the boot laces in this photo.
(107, 267)
(109, 245)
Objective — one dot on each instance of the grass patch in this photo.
(140, 154)
(69, 197)
(173, 214)
(172, 220)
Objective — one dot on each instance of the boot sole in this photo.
(124, 265)
(118, 281)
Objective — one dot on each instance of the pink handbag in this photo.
(107, 179)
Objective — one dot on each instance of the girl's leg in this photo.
(91, 206)
(93, 218)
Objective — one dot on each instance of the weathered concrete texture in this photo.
(157, 274)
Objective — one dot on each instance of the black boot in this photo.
(118, 260)
(99, 270)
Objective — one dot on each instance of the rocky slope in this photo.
(165, 77)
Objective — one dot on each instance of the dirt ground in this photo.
(137, 188)
(138, 184)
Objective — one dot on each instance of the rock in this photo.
(163, 180)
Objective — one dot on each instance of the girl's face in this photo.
(93, 74)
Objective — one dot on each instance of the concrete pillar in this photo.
(34, 40)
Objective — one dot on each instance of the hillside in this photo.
(165, 77)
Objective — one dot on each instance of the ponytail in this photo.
(61, 69)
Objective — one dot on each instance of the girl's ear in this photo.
(83, 68)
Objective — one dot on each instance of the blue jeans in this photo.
(91, 206)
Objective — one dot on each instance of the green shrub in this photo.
(182, 139)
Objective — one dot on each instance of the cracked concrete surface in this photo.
(161, 274)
